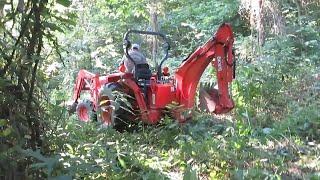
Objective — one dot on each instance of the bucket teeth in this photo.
(207, 85)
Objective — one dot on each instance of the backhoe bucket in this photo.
(211, 101)
(208, 99)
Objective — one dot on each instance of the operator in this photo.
(136, 56)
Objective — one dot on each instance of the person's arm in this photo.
(122, 60)
(129, 66)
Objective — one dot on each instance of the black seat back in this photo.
(142, 72)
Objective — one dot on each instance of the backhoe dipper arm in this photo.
(218, 51)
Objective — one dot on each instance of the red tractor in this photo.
(149, 96)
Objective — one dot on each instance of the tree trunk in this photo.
(35, 47)
(155, 28)
(260, 23)
(256, 12)
(297, 2)
(2, 3)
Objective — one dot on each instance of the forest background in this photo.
(273, 133)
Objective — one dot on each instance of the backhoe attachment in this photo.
(218, 99)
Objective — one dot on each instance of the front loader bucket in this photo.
(210, 101)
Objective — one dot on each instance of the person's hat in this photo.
(135, 46)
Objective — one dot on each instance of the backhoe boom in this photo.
(218, 51)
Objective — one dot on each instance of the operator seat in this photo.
(142, 74)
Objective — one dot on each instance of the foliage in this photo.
(27, 38)
(174, 151)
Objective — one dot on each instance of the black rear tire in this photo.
(124, 113)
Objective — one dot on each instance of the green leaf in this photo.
(65, 177)
(122, 163)
(190, 174)
(53, 26)
(69, 20)
(65, 3)
(5, 132)
(4, 82)
(70, 148)
(36, 154)
(38, 165)
(3, 122)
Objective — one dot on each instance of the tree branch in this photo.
(9, 59)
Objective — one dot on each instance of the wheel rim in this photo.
(106, 111)
(83, 114)
(106, 117)
(83, 111)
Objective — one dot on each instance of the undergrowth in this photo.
(273, 133)
(204, 148)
